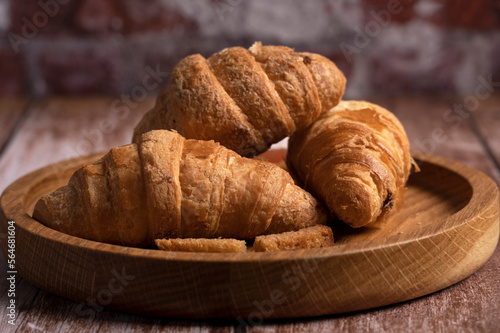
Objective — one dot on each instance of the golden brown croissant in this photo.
(356, 159)
(170, 187)
(245, 99)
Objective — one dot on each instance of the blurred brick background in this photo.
(106, 47)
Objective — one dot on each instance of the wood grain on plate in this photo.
(471, 305)
(447, 229)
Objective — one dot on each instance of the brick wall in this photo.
(109, 46)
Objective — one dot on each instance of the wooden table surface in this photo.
(35, 133)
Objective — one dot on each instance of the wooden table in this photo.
(35, 133)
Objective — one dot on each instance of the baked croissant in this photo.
(169, 187)
(245, 99)
(356, 159)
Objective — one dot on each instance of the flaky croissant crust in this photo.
(169, 187)
(245, 99)
(356, 159)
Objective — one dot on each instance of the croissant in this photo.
(169, 187)
(356, 159)
(245, 99)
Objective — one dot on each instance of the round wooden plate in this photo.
(447, 229)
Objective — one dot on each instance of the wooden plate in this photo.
(446, 231)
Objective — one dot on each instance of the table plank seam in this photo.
(471, 121)
(19, 324)
(26, 113)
